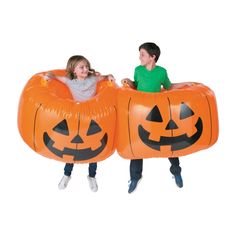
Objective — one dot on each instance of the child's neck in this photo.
(150, 66)
(80, 78)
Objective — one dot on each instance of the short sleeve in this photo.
(135, 77)
(166, 82)
(93, 79)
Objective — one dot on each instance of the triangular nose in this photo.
(77, 139)
(171, 125)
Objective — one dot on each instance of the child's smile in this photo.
(81, 70)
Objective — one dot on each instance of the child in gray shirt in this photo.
(82, 83)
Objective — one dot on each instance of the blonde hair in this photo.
(72, 63)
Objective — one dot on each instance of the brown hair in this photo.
(72, 63)
(152, 49)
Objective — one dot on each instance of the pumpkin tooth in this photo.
(156, 138)
(95, 146)
(191, 132)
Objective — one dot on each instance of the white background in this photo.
(197, 39)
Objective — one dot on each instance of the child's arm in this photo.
(167, 84)
(110, 77)
(50, 75)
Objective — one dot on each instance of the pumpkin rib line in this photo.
(35, 117)
(210, 118)
(78, 128)
(113, 145)
(170, 119)
(129, 128)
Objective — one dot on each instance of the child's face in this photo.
(81, 70)
(145, 58)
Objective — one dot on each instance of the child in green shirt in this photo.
(148, 77)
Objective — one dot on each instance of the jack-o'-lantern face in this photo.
(175, 142)
(168, 124)
(57, 127)
(78, 154)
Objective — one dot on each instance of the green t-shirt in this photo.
(151, 81)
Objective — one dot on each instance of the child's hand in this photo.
(127, 82)
(48, 75)
(98, 74)
(111, 78)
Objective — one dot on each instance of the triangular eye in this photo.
(185, 111)
(62, 128)
(154, 115)
(93, 128)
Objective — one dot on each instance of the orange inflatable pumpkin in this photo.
(171, 123)
(56, 126)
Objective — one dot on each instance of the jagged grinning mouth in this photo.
(78, 154)
(176, 143)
